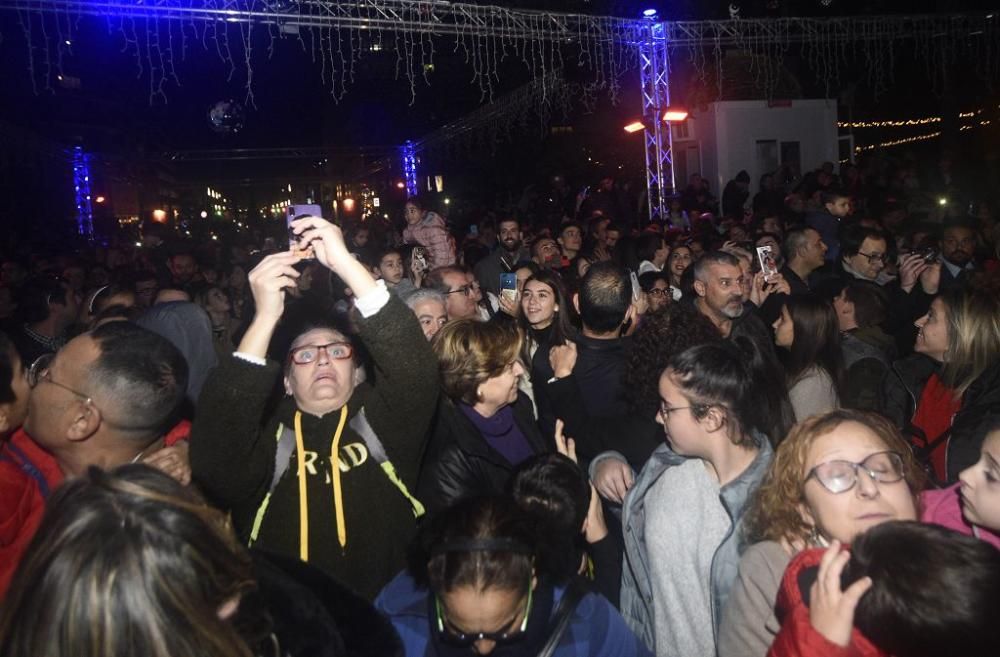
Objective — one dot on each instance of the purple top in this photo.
(501, 433)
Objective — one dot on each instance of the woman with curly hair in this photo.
(833, 477)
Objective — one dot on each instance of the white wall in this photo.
(736, 126)
(740, 124)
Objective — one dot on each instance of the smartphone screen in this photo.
(767, 264)
(299, 212)
(508, 286)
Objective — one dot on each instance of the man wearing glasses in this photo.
(459, 293)
(864, 252)
(107, 398)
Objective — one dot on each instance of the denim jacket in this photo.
(637, 589)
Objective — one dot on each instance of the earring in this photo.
(479, 394)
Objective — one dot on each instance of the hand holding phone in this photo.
(300, 212)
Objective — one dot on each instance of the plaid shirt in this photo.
(431, 234)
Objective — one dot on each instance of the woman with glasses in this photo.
(863, 253)
(808, 340)
(324, 474)
(485, 425)
(682, 518)
(944, 395)
(475, 587)
(833, 477)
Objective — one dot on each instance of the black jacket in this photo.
(460, 463)
(599, 371)
(868, 354)
(234, 448)
(980, 408)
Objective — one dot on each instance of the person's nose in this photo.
(867, 486)
(484, 646)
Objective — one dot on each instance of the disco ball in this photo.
(226, 117)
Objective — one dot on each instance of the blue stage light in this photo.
(649, 13)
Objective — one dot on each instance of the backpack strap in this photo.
(286, 445)
(377, 451)
(564, 614)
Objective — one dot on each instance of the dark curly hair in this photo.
(659, 337)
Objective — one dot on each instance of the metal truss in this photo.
(432, 17)
(858, 29)
(435, 17)
(654, 75)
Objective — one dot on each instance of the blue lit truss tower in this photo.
(409, 154)
(81, 193)
(654, 72)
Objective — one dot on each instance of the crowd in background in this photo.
(767, 423)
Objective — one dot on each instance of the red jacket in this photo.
(797, 637)
(28, 474)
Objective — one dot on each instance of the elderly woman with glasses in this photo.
(477, 586)
(325, 474)
(834, 476)
(485, 425)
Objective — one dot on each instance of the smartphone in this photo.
(767, 264)
(419, 257)
(636, 290)
(508, 286)
(300, 212)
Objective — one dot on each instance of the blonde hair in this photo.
(973, 335)
(469, 352)
(773, 513)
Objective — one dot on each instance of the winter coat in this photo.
(234, 447)
(980, 407)
(797, 637)
(637, 587)
(460, 463)
(595, 629)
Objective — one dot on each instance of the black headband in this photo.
(482, 545)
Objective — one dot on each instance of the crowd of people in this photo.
(768, 426)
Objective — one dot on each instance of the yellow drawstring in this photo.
(338, 495)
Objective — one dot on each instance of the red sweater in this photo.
(28, 474)
(797, 637)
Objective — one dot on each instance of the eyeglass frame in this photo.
(39, 371)
(855, 467)
(873, 257)
(447, 635)
(665, 412)
(655, 291)
(466, 289)
(319, 348)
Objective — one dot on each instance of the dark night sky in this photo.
(293, 109)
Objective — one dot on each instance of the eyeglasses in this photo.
(308, 353)
(665, 410)
(657, 292)
(874, 257)
(841, 476)
(451, 635)
(39, 372)
(467, 290)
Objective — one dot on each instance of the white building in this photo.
(757, 136)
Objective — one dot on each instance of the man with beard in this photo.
(958, 245)
(718, 287)
(504, 259)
